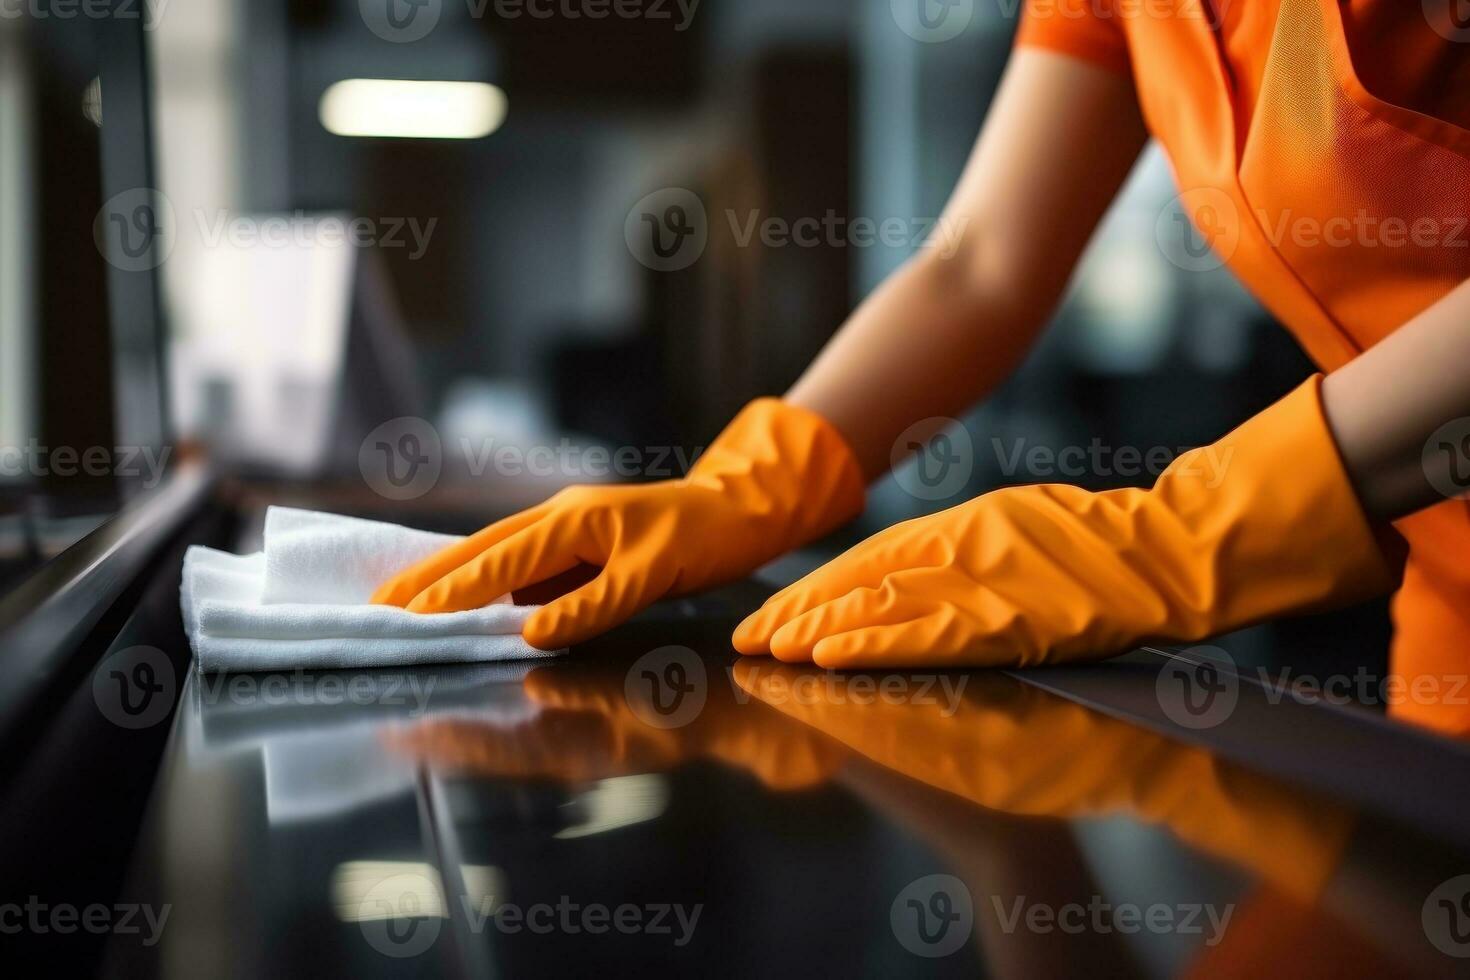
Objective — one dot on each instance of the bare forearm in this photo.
(1385, 406)
(925, 345)
(952, 324)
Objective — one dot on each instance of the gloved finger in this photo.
(926, 640)
(831, 581)
(865, 565)
(794, 641)
(534, 553)
(624, 588)
(404, 587)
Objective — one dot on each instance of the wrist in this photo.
(777, 456)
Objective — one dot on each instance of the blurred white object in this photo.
(259, 379)
(483, 411)
(1128, 295)
(412, 109)
(17, 247)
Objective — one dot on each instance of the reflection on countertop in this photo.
(784, 819)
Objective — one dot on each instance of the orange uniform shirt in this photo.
(1323, 148)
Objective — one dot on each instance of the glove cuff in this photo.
(790, 460)
(1285, 525)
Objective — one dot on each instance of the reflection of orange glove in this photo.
(587, 730)
(1051, 573)
(778, 477)
(1010, 747)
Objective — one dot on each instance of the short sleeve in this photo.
(1086, 29)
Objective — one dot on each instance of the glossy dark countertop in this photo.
(655, 803)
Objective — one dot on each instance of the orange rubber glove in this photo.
(777, 478)
(1037, 574)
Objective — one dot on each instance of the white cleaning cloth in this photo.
(303, 602)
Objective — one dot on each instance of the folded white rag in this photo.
(303, 602)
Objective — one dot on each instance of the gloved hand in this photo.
(1037, 574)
(778, 477)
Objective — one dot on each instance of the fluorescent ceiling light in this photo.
(413, 110)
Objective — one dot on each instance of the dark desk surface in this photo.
(652, 803)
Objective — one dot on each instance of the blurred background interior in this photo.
(492, 289)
